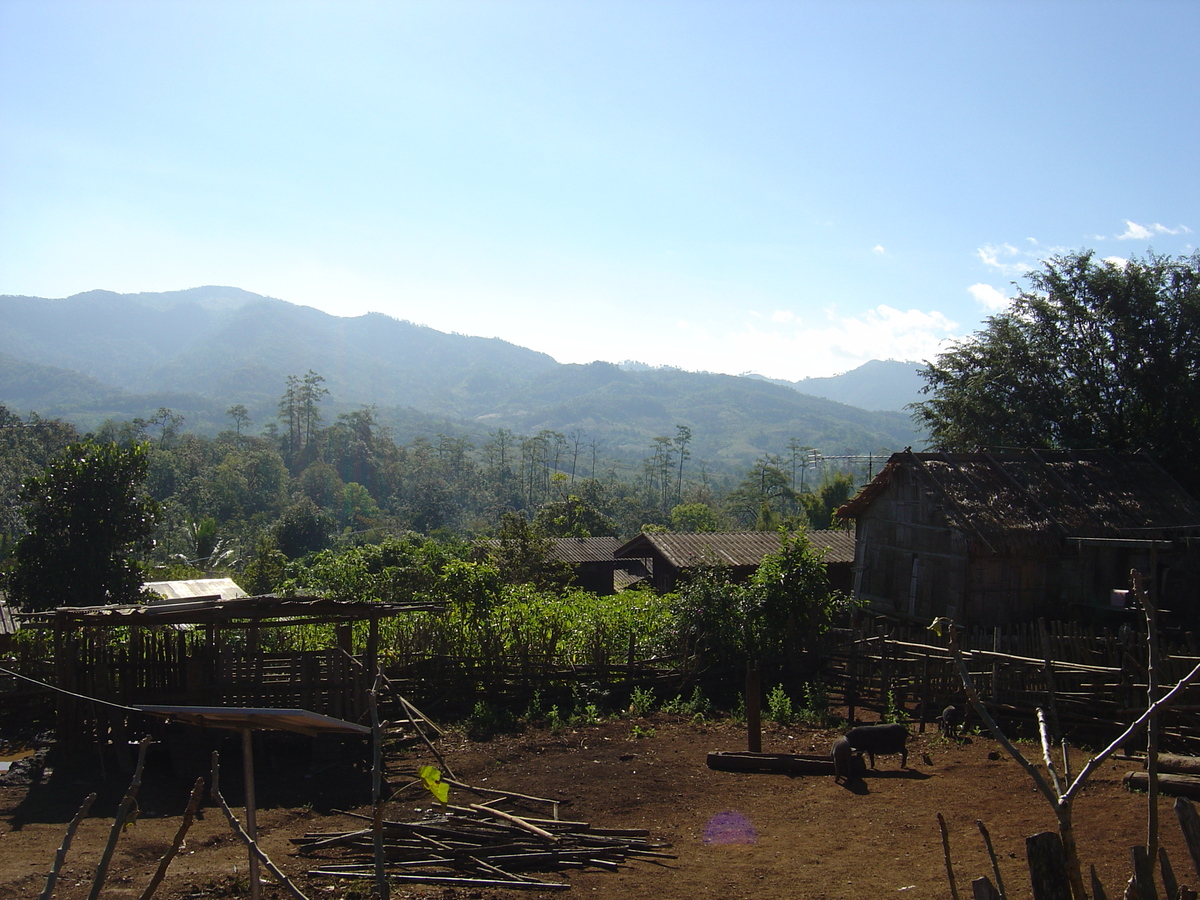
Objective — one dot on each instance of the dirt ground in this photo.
(782, 836)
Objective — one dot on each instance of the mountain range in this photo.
(100, 355)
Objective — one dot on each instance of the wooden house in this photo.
(671, 554)
(591, 559)
(993, 538)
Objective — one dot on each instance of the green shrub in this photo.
(641, 702)
(697, 706)
(779, 706)
(487, 720)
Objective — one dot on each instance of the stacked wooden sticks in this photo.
(479, 846)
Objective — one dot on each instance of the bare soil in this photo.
(734, 835)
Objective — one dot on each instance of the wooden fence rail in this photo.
(1092, 683)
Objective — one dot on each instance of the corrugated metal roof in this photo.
(224, 588)
(731, 548)
(8, 625)
(584, 550)
(266, 609)
(303, 721)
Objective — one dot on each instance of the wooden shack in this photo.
(672, 554)
(994, 538)
(211, 651)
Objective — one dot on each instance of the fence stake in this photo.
(61, 855)
(946, 853)
(1047, 867)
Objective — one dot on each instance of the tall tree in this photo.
(1093, 353)
(239, 416)
(88, 518)
(683, 437)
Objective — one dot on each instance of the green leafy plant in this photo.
(779, 706)
(639, 732)
(696, 706)
(487, 720)
(432, 779)
(641, 702)
(815, 710)
(893, 711)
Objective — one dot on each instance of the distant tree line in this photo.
(241, 502)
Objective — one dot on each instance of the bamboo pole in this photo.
(1152, 666)
(946, 854)
(61, 855)
(249, 841)
(381, 882)
(125, 815)
(991, 851)
(188, 815)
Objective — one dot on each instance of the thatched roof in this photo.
(1044, 496)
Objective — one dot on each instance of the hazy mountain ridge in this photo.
(99, 355)
(880, 384)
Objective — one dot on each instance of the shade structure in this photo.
(239, 718)
(247, 720)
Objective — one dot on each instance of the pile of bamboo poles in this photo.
(478, 846)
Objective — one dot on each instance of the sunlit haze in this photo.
(788, 188)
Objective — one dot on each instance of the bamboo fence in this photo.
(1092, 683)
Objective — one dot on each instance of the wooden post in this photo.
(1169, 882)
(1047, 867)
(61, 855)
(128, 804)
(1051, 693)
(188, 815)
(991, 851)
(924, 691)
(851, 676)
(1142, 882)
(753, 708)
(946, 854)
(377, 800)
(251, 822)
(1152, 723)
(981, 889)
(996, 665)
(1189, 824)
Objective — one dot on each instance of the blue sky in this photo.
(789, 188)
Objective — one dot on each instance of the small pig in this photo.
(950, 721)
(843, 760)
(881, 739)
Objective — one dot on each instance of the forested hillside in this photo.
(101, 356)
(238, 501)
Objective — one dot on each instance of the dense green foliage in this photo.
(88, 519)
(245, 505)
(1093, 354)
(784, 610)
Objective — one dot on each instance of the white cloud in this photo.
(990, 298)
(878, 248)
(1004, 258)
(1118, 261)
(794, 350)
(1136, 232)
